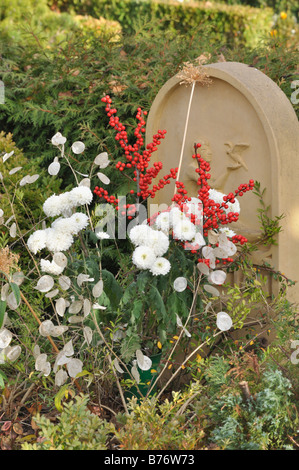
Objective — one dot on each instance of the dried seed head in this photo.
(191, 73)
(8, 260)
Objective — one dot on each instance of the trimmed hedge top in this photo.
(237, 23)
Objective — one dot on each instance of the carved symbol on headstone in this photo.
(235, 152)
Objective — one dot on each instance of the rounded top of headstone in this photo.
(271, 104)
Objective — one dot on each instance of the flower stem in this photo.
(184, 136)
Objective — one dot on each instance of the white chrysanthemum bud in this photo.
(102, 235)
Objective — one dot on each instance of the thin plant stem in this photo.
(184, 136)
(181, 333)
(185, 361)
(110, 362)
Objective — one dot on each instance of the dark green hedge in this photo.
(237, 24)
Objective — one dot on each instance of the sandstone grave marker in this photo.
(248, 130)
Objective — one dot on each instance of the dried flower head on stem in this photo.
(8, 260)
(191, 73)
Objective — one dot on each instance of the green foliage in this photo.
(270, 227)
(150, 425)
(77, 429)
(30, 21)
(277, 5)
(215, 412)
(237, 24)
(285, 323)
(262, 422)
(59, 90)
(150, 305)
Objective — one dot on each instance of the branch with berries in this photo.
(136, 159)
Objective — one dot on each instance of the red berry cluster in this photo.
(223, 261)
(135, 158)
(214, 213)
(239, 239)
(101, 192)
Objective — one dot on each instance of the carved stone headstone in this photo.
(248, 130)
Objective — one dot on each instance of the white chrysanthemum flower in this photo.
(228, 232)
(79, 196)
(66, 206)
(102, 235)
(78, 222)
(160, 267)
(143, 257)
(216, 196)
(58, 241)
(65, 202)
(176, 215)
(158, 242)
(37, 241)
(163, 221)
(50, 267)
(52, 206)
(184, 230)
(62, 224)
(139, 234)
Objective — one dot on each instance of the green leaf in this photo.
(142, 280)
(129, 345)
(2, 378)
(64, 391)
(112, 289)
(2, 311)
(155, 302)
(16, 291)
(129, 293)
(137, 310)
